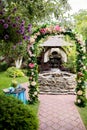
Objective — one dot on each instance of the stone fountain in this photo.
(57, 82)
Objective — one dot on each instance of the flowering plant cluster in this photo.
(13, 30)
(56, 30)
(46, 31)
(33, 74)
(81, 70)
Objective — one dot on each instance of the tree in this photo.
(39, 11)
(81, 23)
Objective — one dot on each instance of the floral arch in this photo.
(33, 67)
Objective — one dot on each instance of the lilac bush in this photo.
(14, 32)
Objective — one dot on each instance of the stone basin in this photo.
(57, 82)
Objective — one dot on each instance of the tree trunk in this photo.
(18, 62)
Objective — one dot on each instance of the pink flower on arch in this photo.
(57, 28)
(31, 65)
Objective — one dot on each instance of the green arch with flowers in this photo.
(33, 67)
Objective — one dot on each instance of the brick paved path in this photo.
(58, 112)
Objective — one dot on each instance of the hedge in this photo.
(14, 115)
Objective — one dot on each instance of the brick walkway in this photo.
(58, 112)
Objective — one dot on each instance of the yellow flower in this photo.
(32, 40)
(79, 101)
(33, 83)
(35, 93)
(79, 92)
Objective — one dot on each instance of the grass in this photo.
(83, 114)
(5, 80)
(35, 107)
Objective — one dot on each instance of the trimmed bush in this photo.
(14, 115)
(14, 72)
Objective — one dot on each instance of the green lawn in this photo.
(5, 80)
(83, 114)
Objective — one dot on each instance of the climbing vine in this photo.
(33, 68)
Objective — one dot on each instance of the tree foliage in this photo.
(42, 10)
(81, 22)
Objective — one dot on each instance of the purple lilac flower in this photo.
(14, 9)
(21, 25)
(21, 31)
(1, 12)
(6, 37)
(28, 38)
(2, 21)
(23, 22)
(17, 18)
(17, 31)
(29, 27)
(13, 25)
(20, 43)
(9, 19)
(5, 25)
(25, 37)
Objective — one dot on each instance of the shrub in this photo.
(14, 72)
(70, 66)
(3, 66)
(14, 115)
(71, 63)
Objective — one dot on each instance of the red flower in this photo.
(31, 65)
(43, 31)
(80, 74)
